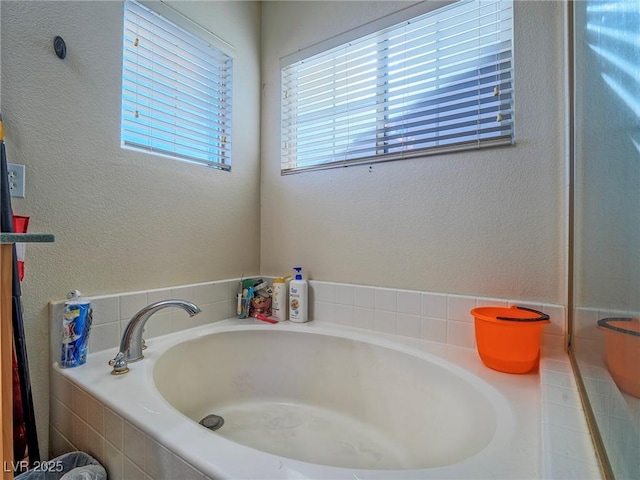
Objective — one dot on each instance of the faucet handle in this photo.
(119, 364)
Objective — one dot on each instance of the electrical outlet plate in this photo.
(15, 173)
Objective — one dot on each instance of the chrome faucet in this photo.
(131, 343)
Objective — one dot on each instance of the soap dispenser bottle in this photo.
(298, 304)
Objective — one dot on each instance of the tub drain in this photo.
(212, 422)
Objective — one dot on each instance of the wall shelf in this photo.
(26, 238)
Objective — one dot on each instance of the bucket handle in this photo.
(604, 323)
(541, 316)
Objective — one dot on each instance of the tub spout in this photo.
(131, 343)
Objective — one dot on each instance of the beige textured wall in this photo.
(123, 220)
(489, 223)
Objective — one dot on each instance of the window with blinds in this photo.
(176, 91)
(439, 82)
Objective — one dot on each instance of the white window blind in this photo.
(439, 82)
(176, 91)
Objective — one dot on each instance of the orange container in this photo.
(622, 349)
(508, 339)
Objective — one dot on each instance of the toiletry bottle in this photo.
(298, 304)
(279, 303)
(77, 317)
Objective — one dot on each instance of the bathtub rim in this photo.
(508, 390)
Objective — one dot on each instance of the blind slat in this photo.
(444, 78)
(176, 91)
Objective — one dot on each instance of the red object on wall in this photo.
(20, 225)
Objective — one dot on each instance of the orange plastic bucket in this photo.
(508, 339)
(622, 349)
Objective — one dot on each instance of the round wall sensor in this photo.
(60, 47)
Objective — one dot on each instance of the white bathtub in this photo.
(322, 401)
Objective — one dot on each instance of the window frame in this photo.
(203, 138)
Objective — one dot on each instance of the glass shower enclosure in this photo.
(605, 323)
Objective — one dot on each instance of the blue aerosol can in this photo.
(76, 326)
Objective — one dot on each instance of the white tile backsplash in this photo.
(459, 307)
(207, 293)
(344, 314)
(615, 413)
(154, 296)
(95, 443)
(558, 320)
(78, 420)
(409, 302)
(112, 313)
(159, 459)
(95, 415)
(364, 297)
(105, 310)
(433, 329)
(130, 470)
(461, 334)
(568, 450)
(113, 458)
(426, 315)
(79, 434)
(324, 310)
(79, 402)
(322, 291)
(384, 321)
(408, 325)
(561, 396)
(219, 292)
(61, 417)
(386, 299)
(430, 316)
(113, 428)
(127, 453)
(492, 302)
(132, 303)
(183, 293)
(104, 336)
(344, 294)
(161, 325)
(363, 318)
(134, 444)
(434, 305)
(553, 365)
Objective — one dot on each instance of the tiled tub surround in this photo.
(79, 420)
(428, 316)
(568, 451)
(111, 313)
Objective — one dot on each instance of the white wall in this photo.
(488, 223)
(122, 220)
